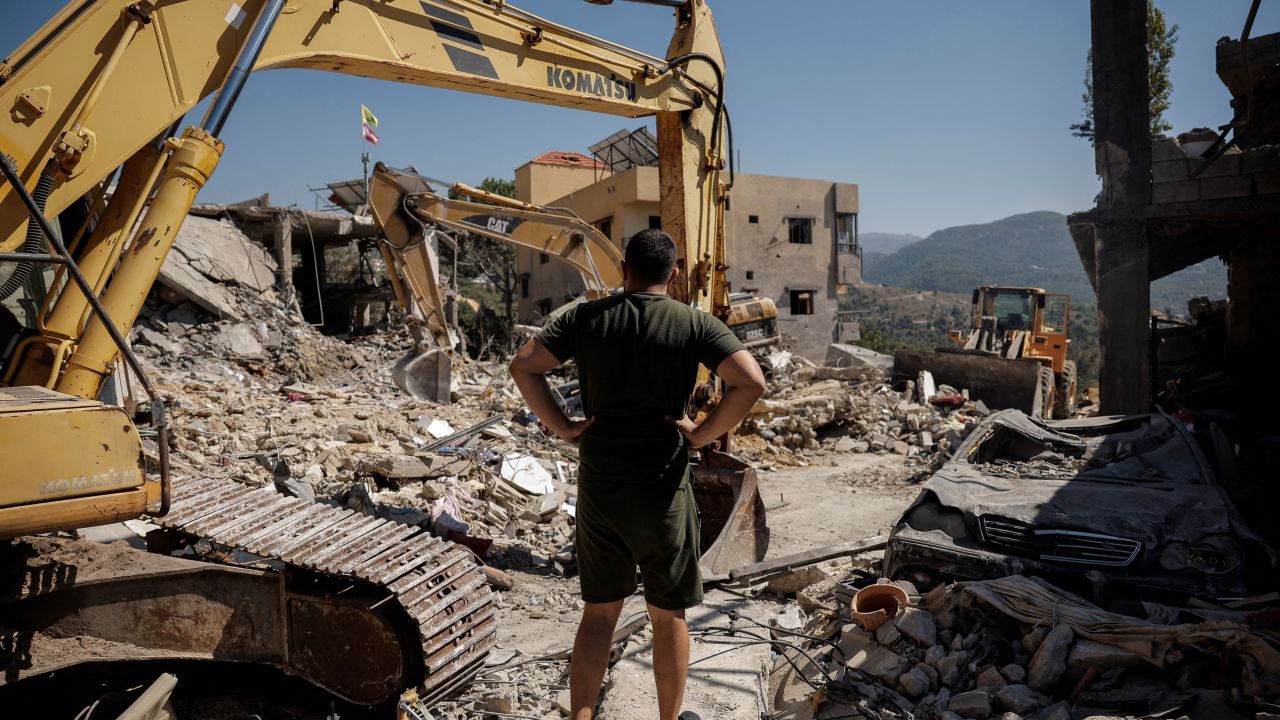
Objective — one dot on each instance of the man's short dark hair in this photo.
(650, 256)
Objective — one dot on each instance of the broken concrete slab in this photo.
(840, 355)
(210, 253)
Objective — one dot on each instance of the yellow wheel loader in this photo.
(407, 211)
(93, 102)
(1013, 355)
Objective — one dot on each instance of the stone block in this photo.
(917, 625)
(1226, 186)
(1260, 160)
(1166, 148)
(1050, 661)
(974, 704)
(883, 665)
(914, 683)
(991, 678)
(1170, 171)
(1267, 183)
(1228, 164)
(1175, 192)
(1019, 699)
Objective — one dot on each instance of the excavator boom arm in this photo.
(184, 50)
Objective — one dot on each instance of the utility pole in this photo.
(364, 159)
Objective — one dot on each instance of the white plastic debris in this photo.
(526, 473)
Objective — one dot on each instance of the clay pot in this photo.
(875, 605)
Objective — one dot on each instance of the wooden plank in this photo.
(808, 557)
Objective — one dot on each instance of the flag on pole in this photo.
(367, 117)
(370, 135)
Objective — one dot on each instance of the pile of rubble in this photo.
(811, 408)
(1016, 648)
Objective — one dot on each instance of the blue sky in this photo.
(945, 113)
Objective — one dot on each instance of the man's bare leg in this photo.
(670, 659)
(591, 656)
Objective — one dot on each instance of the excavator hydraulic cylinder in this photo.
(42, 355)
(193, 160)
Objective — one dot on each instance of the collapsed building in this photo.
(792, 240)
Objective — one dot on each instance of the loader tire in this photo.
(1044, 398)
(1064, 396)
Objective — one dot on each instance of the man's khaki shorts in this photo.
(650, 526)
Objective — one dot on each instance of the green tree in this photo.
(1161, 38)
(494, 264)
(489, 259)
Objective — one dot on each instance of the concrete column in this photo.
(282, 230)
(1255, 295)
(1122, 146)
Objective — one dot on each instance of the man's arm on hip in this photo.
(529, 368)
(744, 383)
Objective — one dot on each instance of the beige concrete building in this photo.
(790, 239)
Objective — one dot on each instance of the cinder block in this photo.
(1228, 164)
(1267, 182)
(1260, 160)
(1227, 186)
(1174, 192)
(1170, 171)
(1166, 148)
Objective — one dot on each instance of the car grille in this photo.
(1068, 546)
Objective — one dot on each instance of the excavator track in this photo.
(438, 584)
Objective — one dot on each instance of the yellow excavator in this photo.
(97, 182)
(407, 212)
(1012, 355)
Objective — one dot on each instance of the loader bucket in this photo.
(734, 532)
(424, 375)
(999, 383)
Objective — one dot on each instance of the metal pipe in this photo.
(31, 257)
(239, 73)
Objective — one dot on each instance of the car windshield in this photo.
(1152, 450)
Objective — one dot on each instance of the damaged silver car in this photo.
(1112, 507)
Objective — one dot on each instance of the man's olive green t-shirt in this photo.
(637, 356)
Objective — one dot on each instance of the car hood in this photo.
(1186, 506)
(1150, 512)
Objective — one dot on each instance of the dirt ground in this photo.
(844, 496)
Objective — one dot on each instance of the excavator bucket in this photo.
(424, 375)
(734, 532)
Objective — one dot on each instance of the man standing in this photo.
(637, 355)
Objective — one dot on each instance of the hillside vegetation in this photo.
(1032, 249)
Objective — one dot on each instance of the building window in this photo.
(543, 258)
(524, 287)
(544, 307)
(751, 274)
(847, 233)
(801, 302)
(655, 222)
(800, 231)
(753, 219)
(605, 227)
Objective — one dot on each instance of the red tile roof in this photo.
(567, 158)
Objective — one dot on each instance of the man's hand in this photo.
(690, 430)
(571, 431)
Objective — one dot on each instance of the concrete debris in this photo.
(1050, 660)
(1001, 665)
(847, 406)
(209, 255)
